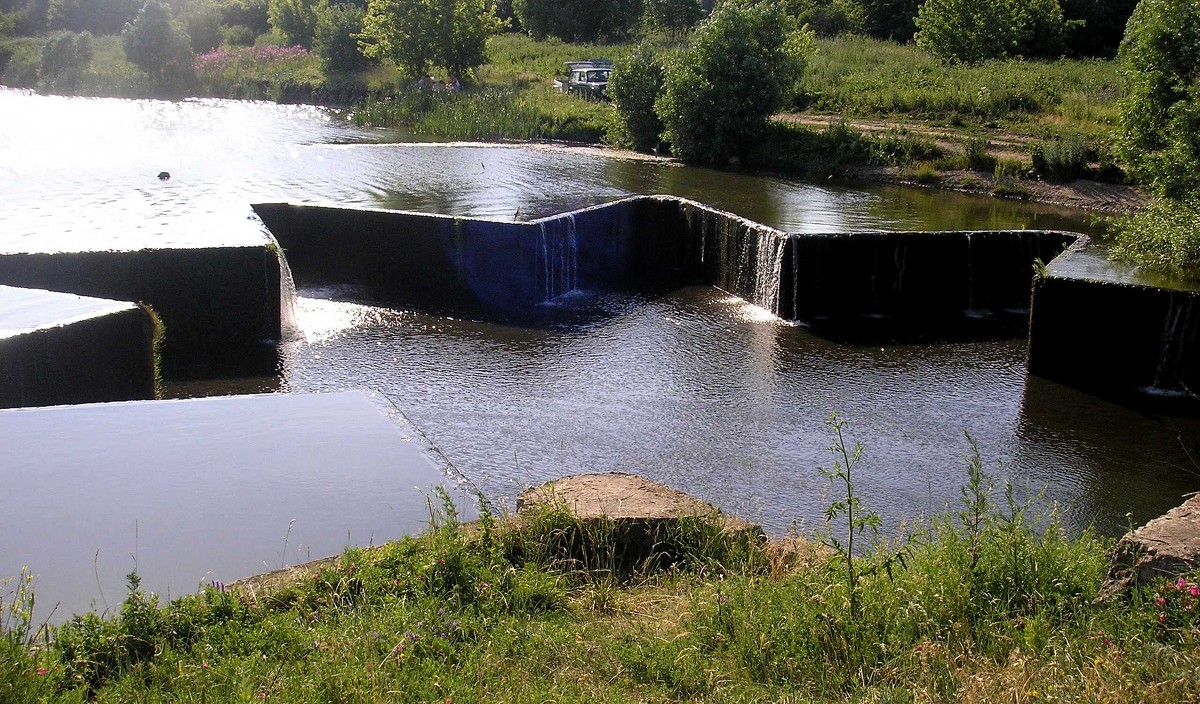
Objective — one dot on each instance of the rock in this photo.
(1165, 547)
(641, 517)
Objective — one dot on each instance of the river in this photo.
(696, 389)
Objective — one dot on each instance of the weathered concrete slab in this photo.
(1167, 546)
(221, 305)
(59, 348)
(197, 490)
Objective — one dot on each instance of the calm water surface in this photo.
(696, 389)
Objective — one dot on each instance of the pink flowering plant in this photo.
(249, 71)
(1177, 604)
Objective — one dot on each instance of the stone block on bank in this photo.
(60, 348)
(1167, 546)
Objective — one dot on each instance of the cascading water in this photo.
(560, 256)
(769, 269)
(1171, 347)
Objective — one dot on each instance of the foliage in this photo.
(672, 17)
(890, 19)
(577, 20)
(1063, 159)
(253, 14)
(237, 35)
(94, 16)
(488, 114)
(636, 82)
(847, 505)
(417, 34)
(202, 21)
(1160, 116)
(1164, 236)
(156, 44)
(720, 90)
(969, 31)
(256, 72)
(65, 58)
(827, 18)
(336, 40)
(294, 20)
(860, 76)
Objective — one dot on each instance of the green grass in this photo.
(864, 77)
(990, 602)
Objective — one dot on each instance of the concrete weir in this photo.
(221, 306)
(197, 490)
(656, 244)
(59, 348)
(1104, 335)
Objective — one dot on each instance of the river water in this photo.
(696, 389)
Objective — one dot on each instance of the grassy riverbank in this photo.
(979, 605)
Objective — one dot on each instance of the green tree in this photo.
(336, 41)
(675, 17)
(156, 44)
(719, 92)
(295, 20)
(636, 82)
(578, 20)
(202, 21)
(418, 34)
(252, 14)
(66, 56)
(1159, 140)
(972, 31)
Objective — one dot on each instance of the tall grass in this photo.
(864, 77)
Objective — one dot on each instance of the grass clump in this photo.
(1163, 237)
(990, 601)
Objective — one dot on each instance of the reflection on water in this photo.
(696, 389)
(703, 391)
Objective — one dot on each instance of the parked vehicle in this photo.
(586, 78)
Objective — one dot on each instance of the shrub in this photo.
(1160, 115)
(636, 82)
(827, 18)
(237, 35)
(1062, 159)
(65, 58)
(977, 155)
(202, 20)
(1165, 236)
(720, 90)
(336, 40)
(418, 33)
(294, 20)
(969, 31)
(158, 45)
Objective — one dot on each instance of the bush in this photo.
(65, 58)
(336, 40)
(157, 45)
(1165, 236)
(636, 82)
(720, 90)
(1160, 115)
(827, 18)
(419, 33)
(237, 35)
(969, 31)
(202, 20)
(294, 20)
(1063, 159)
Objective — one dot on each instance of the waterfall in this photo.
(560, 256)
(768, 269)
(1171, 345)
(970, 275)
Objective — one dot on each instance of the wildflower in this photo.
(1162, 618)
(1194, 590)
(1180, 583)
(42, 671)
(1160, 600)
